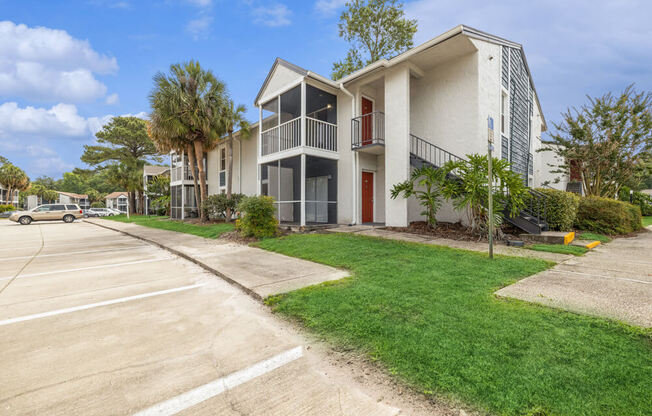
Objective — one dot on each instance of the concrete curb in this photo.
(184, 256)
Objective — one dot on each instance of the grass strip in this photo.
(164, 223)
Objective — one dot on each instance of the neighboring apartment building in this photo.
(117, 200)
(64, 198)
(330, 151)
(6, 199)
(149, 173)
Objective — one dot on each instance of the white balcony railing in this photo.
(319, 134)
(283, 137)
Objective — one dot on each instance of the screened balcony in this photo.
(288, 124)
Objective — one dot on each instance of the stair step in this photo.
(550, 237)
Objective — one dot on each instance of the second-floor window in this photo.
(223, 167)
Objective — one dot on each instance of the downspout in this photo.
(354, 199)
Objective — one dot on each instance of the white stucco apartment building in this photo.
(330, 151)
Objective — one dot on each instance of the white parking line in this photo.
(214, 388)
(77, 252)
(97, 304)
(101, 266)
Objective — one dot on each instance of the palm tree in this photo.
(232, 119)
(13, 179)
(186, 107)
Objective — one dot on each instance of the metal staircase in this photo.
(531, 219)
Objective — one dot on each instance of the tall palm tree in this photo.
(13, 179)
(186, 107)
(232, 119)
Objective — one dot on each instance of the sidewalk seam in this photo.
(184, 256)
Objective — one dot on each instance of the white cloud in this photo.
(200, 27)
(113, 99)
(45, 64)
(329, 7)
(61, 120)
(272, 15)
(50, 166)
(201, 3)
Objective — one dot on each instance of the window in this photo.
(72, 207)
(58, 208)
(223, 167)
(503, 111)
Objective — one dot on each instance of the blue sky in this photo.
(66, 67)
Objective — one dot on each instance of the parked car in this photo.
(89, 214)
(101, 212)
(48, 212)
(115, 211)
(6, 214)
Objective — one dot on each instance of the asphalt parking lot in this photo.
(94, 322)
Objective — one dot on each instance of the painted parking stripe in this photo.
(97, 304)
(214, 388)
(101, 266)
(78, 252)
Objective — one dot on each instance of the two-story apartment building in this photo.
(149, 173)
(6, 199)
(63, 198)
(330, 151)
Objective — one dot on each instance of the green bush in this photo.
(216, 205)
(5, 208)
(607, 216)
(97, 204)
(643, 201)
(257, 217)
(561, 208)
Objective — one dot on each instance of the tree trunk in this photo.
(199, 156)
(9, 198)
(191, 166)
(229, 174)
(132, 202)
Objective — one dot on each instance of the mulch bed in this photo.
(235, 237)
(452, 231)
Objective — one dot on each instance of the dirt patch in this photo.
(235, 237)
(452, 231)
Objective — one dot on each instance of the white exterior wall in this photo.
(345, 187)
(397, 141)
(280, 79)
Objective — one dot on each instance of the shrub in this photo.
(5, 208)
(258, 217)
(643, 201)
(426, 185)
(216, 205)
(607, 216)
(560, 209)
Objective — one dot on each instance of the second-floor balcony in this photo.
(368, 130)
(319, 135)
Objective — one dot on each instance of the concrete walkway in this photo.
(260, 273)
(373, 231)
(613, 280)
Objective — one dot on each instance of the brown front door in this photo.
(367, 197)
(367, 126)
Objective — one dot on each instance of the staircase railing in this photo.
(429, 152)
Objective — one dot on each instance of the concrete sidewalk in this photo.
(613, 280)
(373, 231)
(260, 273)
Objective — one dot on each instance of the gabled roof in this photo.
(73, 195)
(384, 63)
(114, 195)
(154, 170)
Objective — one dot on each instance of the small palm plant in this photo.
(471, 189)
(426, 184)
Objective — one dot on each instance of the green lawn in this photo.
(593, 237)
(164, 223)
(559, 248)
(647, 221)
(428, 314)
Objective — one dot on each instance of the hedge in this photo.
(561, 208)
(643, 201)
(607, 216)
(5, 208)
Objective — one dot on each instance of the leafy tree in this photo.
(186, 108)
(426, 184)
(609, 140)
(123, 140)
(42, 192)
(471, 190)
(158, 192)
(13, 179)
(46, 181)
(3, 160)
(232, 119)
(376, 29)
(95, 196)
(125, 176)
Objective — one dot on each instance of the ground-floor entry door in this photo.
(367, 197)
